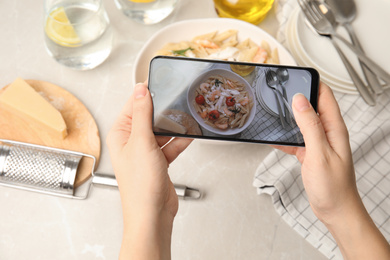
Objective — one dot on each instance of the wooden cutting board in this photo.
(83, 134)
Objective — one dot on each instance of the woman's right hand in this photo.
(327, 168)
(329, 178)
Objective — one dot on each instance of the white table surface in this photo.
(230, 222)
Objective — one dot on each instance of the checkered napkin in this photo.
(369, 127)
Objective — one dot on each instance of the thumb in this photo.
(309, 123)
(142, 111)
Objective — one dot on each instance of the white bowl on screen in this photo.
(191, 94)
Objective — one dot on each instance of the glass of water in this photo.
(146, 11)
(77, 33)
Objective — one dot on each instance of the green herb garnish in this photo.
(182, 52)
(217, 82)
(235, 110)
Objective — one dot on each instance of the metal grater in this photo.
(39, 168)
(53, 171)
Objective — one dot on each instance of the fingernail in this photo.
(300, 102)
(139, 91)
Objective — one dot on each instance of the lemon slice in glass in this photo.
(59, 29)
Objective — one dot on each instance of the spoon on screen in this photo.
(272, 82)
(284, 76)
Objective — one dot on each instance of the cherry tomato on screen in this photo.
(230, 101)
(199, 99)
(214, 115)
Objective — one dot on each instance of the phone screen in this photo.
(231, 101)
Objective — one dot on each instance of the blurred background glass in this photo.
(77, 33)
(252, 11)
(146, 11)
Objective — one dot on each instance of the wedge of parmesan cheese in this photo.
(20, 98)
(168, 124)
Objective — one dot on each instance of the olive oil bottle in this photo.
(252, 11)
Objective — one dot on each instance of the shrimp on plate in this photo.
(206, 44)
(260, 56)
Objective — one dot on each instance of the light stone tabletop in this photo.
(230, 222)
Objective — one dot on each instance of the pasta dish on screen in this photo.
(222, 102)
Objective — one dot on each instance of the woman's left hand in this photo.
(140, 161)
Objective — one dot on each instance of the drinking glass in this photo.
(77, 33)
(252, 11)
(146, 11)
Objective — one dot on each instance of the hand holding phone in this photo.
(231, 101)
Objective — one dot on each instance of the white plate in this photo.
(227, 74)
(371, 28)
(188, 29)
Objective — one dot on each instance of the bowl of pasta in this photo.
(222, 102)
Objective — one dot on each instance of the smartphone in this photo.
(231, 101)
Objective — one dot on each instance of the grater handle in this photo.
(104, 179)
(182, 191)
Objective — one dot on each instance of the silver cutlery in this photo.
(283, 77)
(321, 24)
(345, 12)
(315, 13)
(272, 82)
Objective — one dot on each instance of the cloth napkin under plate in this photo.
(369, 127)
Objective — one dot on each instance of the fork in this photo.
(314, 14)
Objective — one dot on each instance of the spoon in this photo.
(328, 21)
(272, 81)
(283, 77)
(345, 13)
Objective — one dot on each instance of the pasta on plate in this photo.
(222, 46)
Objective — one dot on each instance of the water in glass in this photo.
(78, 33)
